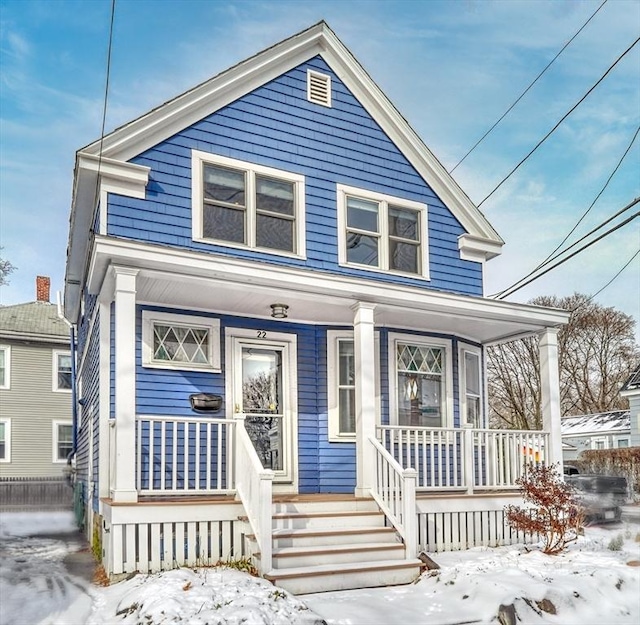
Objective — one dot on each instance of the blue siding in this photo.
(276, 126)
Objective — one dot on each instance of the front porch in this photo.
(204, 497)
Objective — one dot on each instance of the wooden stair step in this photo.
(292, 552)
(330, 569)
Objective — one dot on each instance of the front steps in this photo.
(323, 543)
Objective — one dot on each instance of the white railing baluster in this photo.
(197, 450)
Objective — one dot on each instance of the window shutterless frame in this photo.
(62, 435)
(380, 232)
(470, 368)
(248, 206)
(61, 372)
(5, 440)
(5, 367)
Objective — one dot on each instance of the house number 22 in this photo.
(262, 334)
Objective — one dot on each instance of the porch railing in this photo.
(464, 459)
(184, 455)
(395, 492)
(254, 485)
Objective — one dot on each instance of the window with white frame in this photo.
(341, 384)
(5, 440)
(5, 366)
(469, 365)
(61, 371)
(422, 382)
(185, 342)
(599, 443)
(246, 205)
(623, 442)
(62, 440)
(382, 232)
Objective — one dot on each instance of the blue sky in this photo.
(450, 67)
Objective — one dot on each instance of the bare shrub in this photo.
(553, 512)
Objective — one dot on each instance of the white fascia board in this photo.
(114, 177)
(195, 264)
(210, 96)
(478, 249)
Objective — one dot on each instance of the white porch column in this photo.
(124, 483)
(365, 370)
(550, 393)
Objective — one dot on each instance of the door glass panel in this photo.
(262, 403)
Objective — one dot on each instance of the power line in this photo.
(573, 108)
(585, 302)
(535, 80)
(581, 249)
(606, 184)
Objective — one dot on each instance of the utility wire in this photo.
(591, 297)
(581, 249)
(535, 80)
(606, 184)
(104, 105)
(573, 108)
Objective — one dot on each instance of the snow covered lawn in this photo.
(590, 584)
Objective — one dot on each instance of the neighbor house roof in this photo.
(33, 320)
(599, 423)
(633, 383)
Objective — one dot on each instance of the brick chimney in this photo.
(43, 284)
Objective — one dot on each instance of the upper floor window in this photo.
(382, 232)
(241, 204)
(422, 379)
(62, 440)
(61, 371)
(469, 363)
(185, 342)
(5, 440)
(5, 366)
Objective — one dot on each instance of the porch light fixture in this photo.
(279, 311)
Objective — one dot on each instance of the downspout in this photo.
(74, 392)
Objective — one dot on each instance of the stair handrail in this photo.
(394, 491)
(254, 487)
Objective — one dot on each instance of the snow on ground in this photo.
(590, 584)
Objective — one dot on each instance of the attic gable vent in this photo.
(318, 88)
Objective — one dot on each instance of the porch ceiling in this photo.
(234, 287)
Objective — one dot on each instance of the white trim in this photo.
(7, 440)
(287, 481)
(6, 385)
(212, 325)
(333, 415)
(55, 424)
(424, 341)
(326, 79)
(383, 200)
(104, 399)
(463, 349)
(627, 439)
(56, 353)
(478, 249)
(199, 158)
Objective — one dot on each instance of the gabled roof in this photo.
(633, 383)
(599, 423)
(117, 148)
(33, 320)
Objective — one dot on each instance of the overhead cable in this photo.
(535, 80)
(573, 108)
(606, 184)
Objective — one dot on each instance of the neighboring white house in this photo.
(36, 433)
(631, 390)
(605, 430)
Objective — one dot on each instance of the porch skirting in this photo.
(156, 535)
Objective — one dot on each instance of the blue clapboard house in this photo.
(276, 290)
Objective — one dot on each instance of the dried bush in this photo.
(553, 512)
(624, 462)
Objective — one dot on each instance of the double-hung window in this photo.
(422, 381)
(62, 440)
(184, 342)
(382, 233)
(61, 371)
(469, 364)
(241, 204)
(5, 367)
(341, 384)
(5, 440)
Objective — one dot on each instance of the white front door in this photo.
(263, 386)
